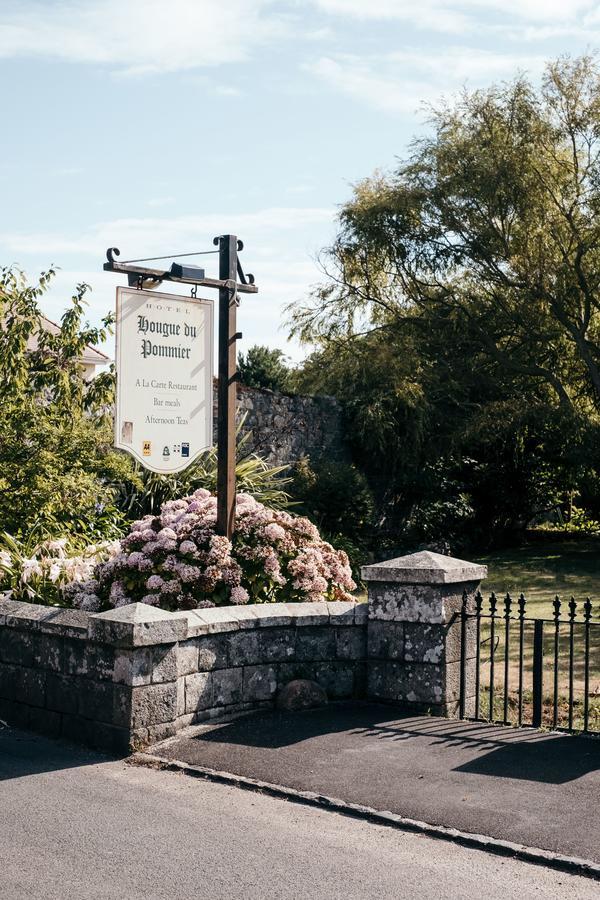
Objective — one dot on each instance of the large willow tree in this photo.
(478, 263)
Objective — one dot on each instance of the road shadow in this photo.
(491, 750)
(23, 753)
(553, 760)
(274, 729)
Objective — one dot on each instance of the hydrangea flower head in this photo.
(177, 560)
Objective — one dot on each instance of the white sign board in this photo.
(164, 360)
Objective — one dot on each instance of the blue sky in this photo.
(154, 125)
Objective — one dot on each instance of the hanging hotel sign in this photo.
(164, 358)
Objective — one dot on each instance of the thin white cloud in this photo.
(228, 90)
(280, 246)
(364, 81)
(425, 14)
(402, 81)
(522, 21)
(463, 15)
(151, 235)
(138, 36)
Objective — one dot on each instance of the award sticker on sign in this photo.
(164, 360)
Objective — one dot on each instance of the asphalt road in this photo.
(518, 785)
(75, 826)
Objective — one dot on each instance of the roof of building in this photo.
(90, 355)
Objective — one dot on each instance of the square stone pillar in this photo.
(414, 632)
(143, 642)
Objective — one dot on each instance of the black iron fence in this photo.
(517, 670)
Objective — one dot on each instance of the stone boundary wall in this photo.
(284, 427)
(127, 677)
(122, 679)
(52, 679)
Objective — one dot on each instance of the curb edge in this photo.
(571, 864)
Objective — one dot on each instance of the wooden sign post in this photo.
(228, 285)
(227, 394)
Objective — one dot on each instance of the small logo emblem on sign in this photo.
(147, 448)
(185, 449)
(166, 452)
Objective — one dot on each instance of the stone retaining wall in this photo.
(54, 680)
(125, 678)
(284, 427)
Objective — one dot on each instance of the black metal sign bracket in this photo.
(229, 287)
(180, 274)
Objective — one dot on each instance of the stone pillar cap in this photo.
(137, 625)
(424, 567)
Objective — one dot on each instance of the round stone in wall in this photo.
(301, 694)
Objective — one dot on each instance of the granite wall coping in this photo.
(139, 624)
(72, 623)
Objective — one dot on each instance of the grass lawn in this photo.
(542, 570)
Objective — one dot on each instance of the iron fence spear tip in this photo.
(572, 608)
(557, 605)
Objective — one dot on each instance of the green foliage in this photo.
(57, 471)
(56, 461)
(578, 522)
(377, 378)
(37, 568)
(145, 492)
(336, 496)
(461, 321)
(35, 363)
(264, 367)
(491, 225)
(441, 511)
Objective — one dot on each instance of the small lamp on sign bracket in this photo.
(142, 284)
(185, 271)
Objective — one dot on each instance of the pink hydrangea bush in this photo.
(177, 561)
